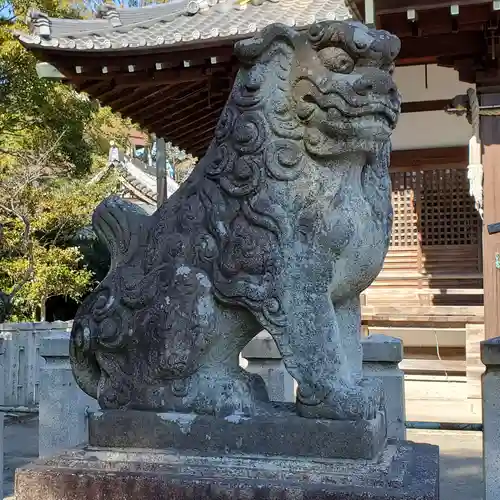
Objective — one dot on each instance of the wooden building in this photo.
(170, 69)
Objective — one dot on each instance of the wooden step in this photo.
(451, 366)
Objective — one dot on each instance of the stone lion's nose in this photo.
(376, 82)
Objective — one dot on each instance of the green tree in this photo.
(40, 212)
(53, 142)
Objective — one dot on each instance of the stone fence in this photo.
(64, 407)
(22, 361)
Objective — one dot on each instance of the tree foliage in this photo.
(53, 140)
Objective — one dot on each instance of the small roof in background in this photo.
(137, 138)
(174, 23)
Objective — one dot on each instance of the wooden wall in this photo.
(436, 239)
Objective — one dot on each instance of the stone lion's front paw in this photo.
(361, 401)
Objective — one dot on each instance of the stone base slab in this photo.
(279, 431)
(403, 471)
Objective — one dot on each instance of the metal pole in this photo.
(161, 171)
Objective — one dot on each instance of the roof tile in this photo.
(174, 22)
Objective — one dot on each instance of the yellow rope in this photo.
(489, 112)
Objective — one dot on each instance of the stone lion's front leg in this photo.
(329, 384)
(369, 392)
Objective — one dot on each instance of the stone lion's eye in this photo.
(336, 59)
(315, 32)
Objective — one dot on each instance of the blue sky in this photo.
(5, 11)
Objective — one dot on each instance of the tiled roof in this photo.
(143, 177)
(176, 22)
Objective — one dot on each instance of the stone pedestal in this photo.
(145, 455)
(277, 432)
(404, 471)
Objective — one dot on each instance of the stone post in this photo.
(490, 356)
(474, 334)
(263, 358)
(62, 408)
(381, 357)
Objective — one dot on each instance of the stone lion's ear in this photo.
(247, 51)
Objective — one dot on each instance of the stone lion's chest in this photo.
(361, 260)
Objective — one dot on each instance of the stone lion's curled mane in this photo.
(258, 144)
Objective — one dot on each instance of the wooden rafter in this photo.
(119, 100)
(159, 98)
(193, 120)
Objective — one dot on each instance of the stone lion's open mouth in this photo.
(336, 106)
(377, 109)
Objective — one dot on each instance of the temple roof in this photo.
(170, 67)
(174, 23)
(140, 179)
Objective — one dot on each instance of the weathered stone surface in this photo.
(490, 356)
(280, 227)
(405, 471)
(490, 352)
(279, 432)
(62, 415)
(382, 349)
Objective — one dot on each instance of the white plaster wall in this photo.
(434, 128)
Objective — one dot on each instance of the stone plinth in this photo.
(381, 357)
(278, 432)
(62, 409)
(404, 471)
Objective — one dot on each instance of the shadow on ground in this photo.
(460, 462)
(20, 447)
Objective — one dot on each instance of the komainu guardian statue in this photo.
(281, 226)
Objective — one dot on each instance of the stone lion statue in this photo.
(280, 226)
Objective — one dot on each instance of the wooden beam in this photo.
(176, 121)
(170, 76)
(152, 77)
(169, 113)
(422, 106)
(93, 87)
(202, 101)
(202, 141)
(164, 77)
(452, 44)
(490, 138)
(429, 158)
(416, 61)
(385, 7)
(201, 130)
(205, 116)
(169, 56)
(120, 100)
(159, 97)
